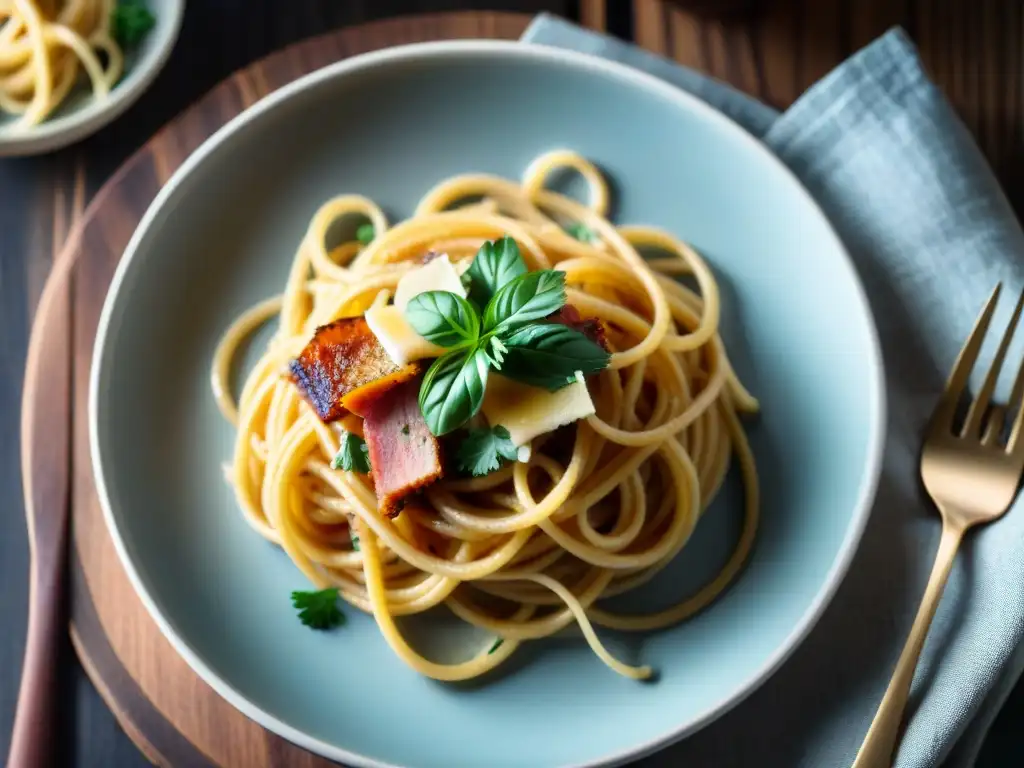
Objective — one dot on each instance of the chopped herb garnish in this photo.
(365, 234)
(511, 325)
(482, 451)
(355, 543)
(496, 646)
(405, 429)
(582, 232)
(318, 610)
(353, 455)
(130, 21)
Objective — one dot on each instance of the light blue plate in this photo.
(221, 235)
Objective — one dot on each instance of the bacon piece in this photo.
(593, 328)
(343, 367)
(361, 398)
(404, 455)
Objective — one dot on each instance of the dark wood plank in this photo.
(974, 49)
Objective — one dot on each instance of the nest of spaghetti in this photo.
(50, 47)
(503, 405)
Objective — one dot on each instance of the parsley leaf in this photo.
(495, 264)
(443, 318)
(130, 21)
(453, 389)
(318, 610)
(365, 234)
(353, 455)
(497, 644)
(548, 355)
(527, 298)
(355, 543)
(582, 232)
(482, 450)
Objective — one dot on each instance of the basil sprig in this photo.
(508, 338)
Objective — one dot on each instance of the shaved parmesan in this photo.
(398, 338)
(527, 412)
(388, 323)
(436, 275)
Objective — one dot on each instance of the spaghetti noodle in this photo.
(45, 45)
(597, 509)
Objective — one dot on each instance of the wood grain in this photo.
(776, 49)
(46, 416)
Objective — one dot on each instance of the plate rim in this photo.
(870, 475)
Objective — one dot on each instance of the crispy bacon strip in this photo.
(344, 367)
(404, 455)
(593, 328)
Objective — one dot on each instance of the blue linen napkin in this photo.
(931, 233)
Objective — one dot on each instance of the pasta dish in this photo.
(46, 45)
(503, 404)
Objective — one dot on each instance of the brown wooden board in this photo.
(174, 717)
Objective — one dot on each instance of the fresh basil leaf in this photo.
(444, 318)
(548, 355)
(525, 299)
(353, 455)
(482, 451)
(453, 389)
(495, 264)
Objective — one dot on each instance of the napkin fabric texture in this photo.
(930, 233)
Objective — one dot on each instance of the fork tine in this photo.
(945, 411)
(972, 424)
(994, 429)
(1015, 444)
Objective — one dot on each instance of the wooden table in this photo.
(973, 48)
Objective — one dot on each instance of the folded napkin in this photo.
(931, 233)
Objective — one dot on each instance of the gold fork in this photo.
(972, 477)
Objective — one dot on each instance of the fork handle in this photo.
(880, 742)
